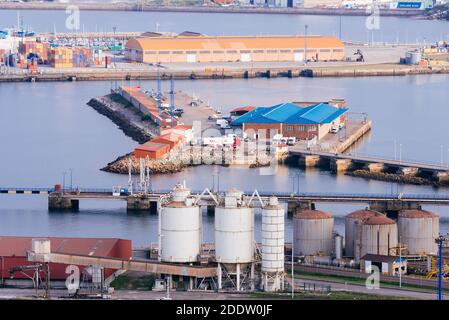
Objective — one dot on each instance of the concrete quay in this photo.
(237, 72)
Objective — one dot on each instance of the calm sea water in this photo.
(47, 129)
(391, 29)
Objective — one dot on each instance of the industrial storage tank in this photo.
(234, 229)
(313, 233)
(180, 227)
(378, 235)
(272, 246)
(351, 221)
(418, 229)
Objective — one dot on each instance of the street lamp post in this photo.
(63, 181)
(400, 263)
(293, 264)
(71, 179)
(305, 44)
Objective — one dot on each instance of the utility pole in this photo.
(340, 28)
(114, 28)
(159, 89)
(400, 263)
(63, 181)
(293, 264)
(305, 44)
(71, 180)
(439, 241)
(172, 101)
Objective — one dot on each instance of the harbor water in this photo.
(50, 135)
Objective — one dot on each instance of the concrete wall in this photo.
(257, 55)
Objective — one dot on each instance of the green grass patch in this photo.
(334, 295)
(360, 281)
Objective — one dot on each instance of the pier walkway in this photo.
(340, 162)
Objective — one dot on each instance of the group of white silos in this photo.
(366, 232)
(371, 232)
(180, 237)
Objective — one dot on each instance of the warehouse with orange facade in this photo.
(182, 49)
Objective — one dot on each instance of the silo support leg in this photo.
(238, 277)
(219, 275)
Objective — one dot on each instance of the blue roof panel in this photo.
(291, 113)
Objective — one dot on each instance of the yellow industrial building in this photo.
(183, 49)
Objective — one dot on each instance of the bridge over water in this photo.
(388, 203)
(340, 162)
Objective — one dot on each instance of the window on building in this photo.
(231, 51)
(218, 51)
(272, 51)
(205, 52)
(312, 128)
(338, 50)
(289, 128)
(164, 52)
(177, 52)
(258, 51)
(325, 50)
(245, 51)
(286, 51)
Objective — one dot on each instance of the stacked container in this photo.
(81, 57)
(97, 57)
(61, 57)
(41, 49)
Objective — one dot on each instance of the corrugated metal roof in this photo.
(313, 214)
(417, 214)
(361, 214)
(378, 220)
(381, 258)
(18, 246)
(245, 108)
(232, 42)
(292, 113)
(152, 146)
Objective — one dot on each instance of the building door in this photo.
(298, 56)
(245, 57)
(191, 58)
(289, 3)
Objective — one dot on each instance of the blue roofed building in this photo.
(303, 120)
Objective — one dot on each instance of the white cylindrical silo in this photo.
(350, 229)
(180, 227)
(234, 230)
(338, 246)
(313, 233)
(378, 234)
(272, 246)
(418, 229)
